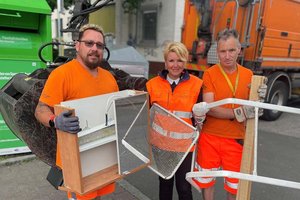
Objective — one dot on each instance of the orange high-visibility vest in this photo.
(180, 102)
(168, 133)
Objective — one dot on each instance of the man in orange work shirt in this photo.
(220, 143)
(82, 77)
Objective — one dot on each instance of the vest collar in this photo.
(171, 80)
(184, 76)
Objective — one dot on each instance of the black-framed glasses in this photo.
(90, 44)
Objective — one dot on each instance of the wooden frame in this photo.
(92, 165)
(244, 188)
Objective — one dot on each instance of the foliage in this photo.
(53, 3)
(131, 6)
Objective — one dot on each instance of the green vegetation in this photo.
(131, 6)
(53, 3)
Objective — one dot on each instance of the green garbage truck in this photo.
(24, 26)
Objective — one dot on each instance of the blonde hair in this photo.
(178, 48)
(94, 27)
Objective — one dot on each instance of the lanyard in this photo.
(229, 82)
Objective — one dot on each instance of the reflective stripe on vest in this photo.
(183, 114)
(172, 134)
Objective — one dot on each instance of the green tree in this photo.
(131, 6)
(53, 3)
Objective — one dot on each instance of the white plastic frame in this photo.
(146, 160)
(128, 146)
(250, 177)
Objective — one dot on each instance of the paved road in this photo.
(278, 157)
(26, 180)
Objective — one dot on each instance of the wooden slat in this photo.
(100, 179)
(70, 157)
(244, 188)
(97, 180)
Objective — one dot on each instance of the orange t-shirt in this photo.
(215, 82)
(72, 81)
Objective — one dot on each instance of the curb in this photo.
(11, 161)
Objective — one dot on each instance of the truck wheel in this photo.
(279, 96)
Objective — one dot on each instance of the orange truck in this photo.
(270, 37)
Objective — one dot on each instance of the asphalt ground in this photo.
(24, 178)
(278, 157)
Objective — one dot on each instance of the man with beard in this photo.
(82, 77)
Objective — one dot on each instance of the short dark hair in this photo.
(90, 27)
(227, 33)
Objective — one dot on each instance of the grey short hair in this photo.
(227, 33)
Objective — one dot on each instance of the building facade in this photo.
(155, 23)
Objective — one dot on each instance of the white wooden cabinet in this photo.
(95, 156)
